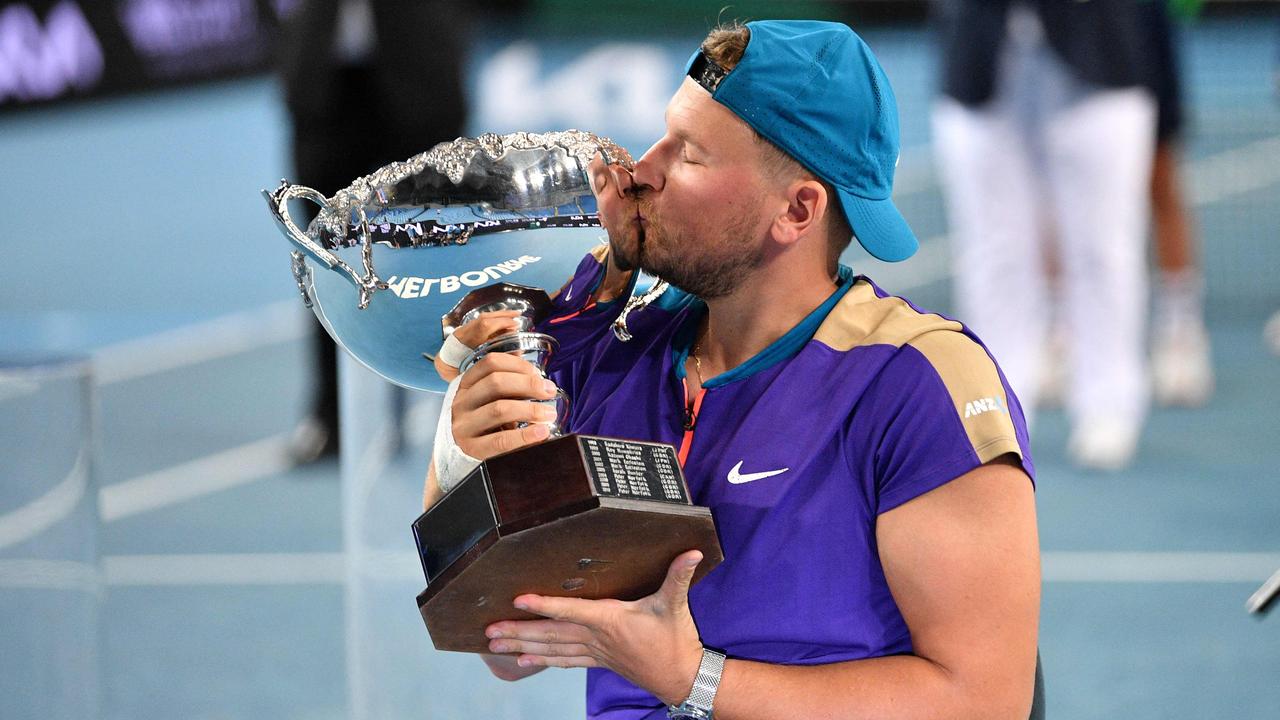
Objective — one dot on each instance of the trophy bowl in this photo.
(401, 258)
(390, 255)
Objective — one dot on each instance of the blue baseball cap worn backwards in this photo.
(815, 90)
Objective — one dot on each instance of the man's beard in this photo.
(624, 246)
(625, 256)
(705, 267)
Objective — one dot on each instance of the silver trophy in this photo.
(396, 261)
(400, 259)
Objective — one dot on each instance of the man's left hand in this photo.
(653, 641)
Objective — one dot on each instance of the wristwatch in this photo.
(698, 705)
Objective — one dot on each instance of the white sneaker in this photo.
(313, 439)
(1104, 443)
(1272, 333)
(1181, 370)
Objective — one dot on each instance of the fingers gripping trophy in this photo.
(432, 264)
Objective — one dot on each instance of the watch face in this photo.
(685, 711)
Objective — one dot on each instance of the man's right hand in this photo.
(493, 398)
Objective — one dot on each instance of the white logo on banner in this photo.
(42, 62)
(618, 89)
(178, 27)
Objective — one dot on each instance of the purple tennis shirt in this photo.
(866, 404)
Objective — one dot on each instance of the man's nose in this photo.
(648, 172)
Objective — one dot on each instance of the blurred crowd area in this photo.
(60, 50)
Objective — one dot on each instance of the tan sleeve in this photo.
(977, 394)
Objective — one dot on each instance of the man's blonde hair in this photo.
(725, 45)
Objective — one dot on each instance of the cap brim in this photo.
(879, 227)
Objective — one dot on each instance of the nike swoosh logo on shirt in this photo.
(738, 478)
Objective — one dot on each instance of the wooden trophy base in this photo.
(578, 516)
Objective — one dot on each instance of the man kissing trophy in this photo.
(396, 266)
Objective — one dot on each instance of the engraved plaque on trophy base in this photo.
(577, 516)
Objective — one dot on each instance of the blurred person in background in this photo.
(1181, 368)
(367, 82)
(1045, 133)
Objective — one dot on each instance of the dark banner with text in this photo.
(57, 50)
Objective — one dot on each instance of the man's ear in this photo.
(807, 204)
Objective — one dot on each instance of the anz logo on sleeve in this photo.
(983, 405)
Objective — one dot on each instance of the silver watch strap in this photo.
(703, 695)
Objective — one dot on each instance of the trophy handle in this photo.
(636, 302)
(278, 202)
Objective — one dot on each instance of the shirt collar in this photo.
(784, 348)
